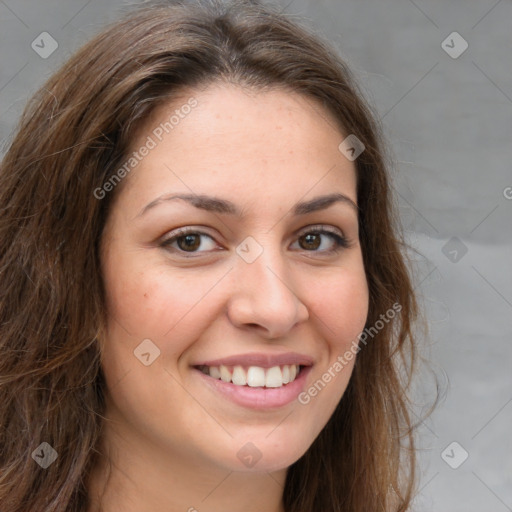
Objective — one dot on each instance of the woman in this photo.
(204, 303)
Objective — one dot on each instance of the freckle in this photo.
(145, 295)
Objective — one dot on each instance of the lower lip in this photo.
(259, 398)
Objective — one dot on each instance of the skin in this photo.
(173, 441)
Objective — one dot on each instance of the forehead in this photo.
(243, 142)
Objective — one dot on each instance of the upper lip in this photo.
(261, 359)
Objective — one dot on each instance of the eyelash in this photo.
(340, 241)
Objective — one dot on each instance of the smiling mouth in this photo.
(253, 376)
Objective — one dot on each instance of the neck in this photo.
(146, 478)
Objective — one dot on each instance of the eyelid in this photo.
(179, 232)
(342, 241)
(320, 227)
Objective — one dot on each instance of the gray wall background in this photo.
(448, 119)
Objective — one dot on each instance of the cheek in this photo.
(148, 299)
(339, 308)
(341, 305)
(345, 317)
(148, 302)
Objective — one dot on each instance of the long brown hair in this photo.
(73, 136)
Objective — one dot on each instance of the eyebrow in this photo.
(218, 205)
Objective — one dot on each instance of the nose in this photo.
(263, 296)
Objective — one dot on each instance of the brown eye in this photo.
(187, 241)
(190, 242)
(312, 241)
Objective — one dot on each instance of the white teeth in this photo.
(225, 374)
(255, 376)
(286, 374)
(214, 372)
(238, 376)
(274, 377)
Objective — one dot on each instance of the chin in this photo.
(259, 453)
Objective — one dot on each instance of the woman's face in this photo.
(257, 284)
